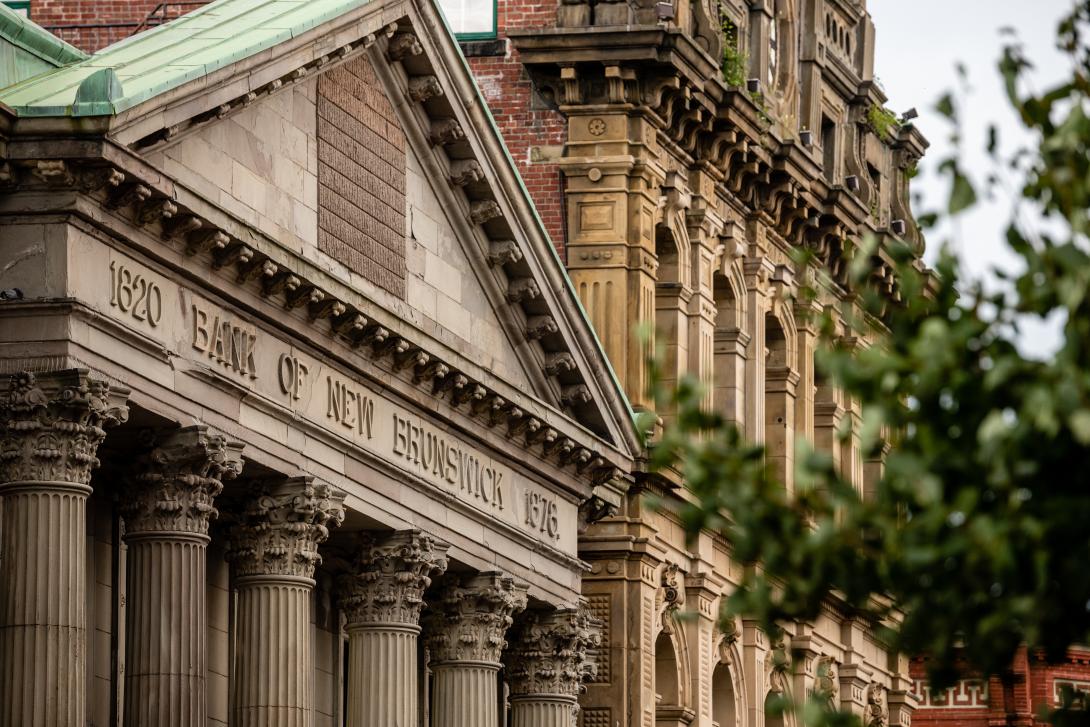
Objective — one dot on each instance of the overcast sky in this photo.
(918, 44)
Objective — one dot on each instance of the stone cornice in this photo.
(137, 195)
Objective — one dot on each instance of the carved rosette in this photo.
(392, 573)
(52, 423)
(551, 653)
(877, 714)
(471, 618)
(280, 529)
(176, 482)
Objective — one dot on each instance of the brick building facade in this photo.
(1032, 689)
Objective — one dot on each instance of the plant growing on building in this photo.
(735, 62)
(972, 540)
(882, 121)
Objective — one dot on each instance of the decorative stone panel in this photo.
(361, 176)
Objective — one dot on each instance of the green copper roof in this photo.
(27, 50)
(141, 67)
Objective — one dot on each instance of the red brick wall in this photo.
(1031, 691)
(361, 176)
(113, 20)
(507, 88)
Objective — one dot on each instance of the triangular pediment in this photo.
(360, 141)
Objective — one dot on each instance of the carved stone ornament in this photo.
(827, 682)
(281, 527)
(551, 652)
(176, 482)
(777, 665)
(471, 618)
(51, 425)
(877, 714)
(671, 595)
(393, 572)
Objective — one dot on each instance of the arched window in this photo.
(723, 713)
(729, 360)
(671, 326)
(666, 682)
(780, 384)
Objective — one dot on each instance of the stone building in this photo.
(685, 150)
(676, 153)
(286, 357)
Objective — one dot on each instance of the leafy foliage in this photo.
(735, 62)
(883, 121)
(975, 537)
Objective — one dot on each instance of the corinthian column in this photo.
(465, 633)
(167, 510)
(274, 549)
(382, 603)
(50, 428)
(546, 665)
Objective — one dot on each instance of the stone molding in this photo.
(552, 653)
(470, 619)
(176, 482)
(52, 423)
(393, 571)
(279, 531)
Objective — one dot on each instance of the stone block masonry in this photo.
(361, 176)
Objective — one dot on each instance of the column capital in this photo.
(471, 617)
(284, 521)
(176, 481)
(52, 423)
(392, 573)
(550, 652)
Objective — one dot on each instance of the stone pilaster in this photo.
(382, 603)
(547, 662)
(274, 549)
(465, 633)
(167, 510)
(50, 428)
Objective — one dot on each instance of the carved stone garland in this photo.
(877, 714)
(167, 510)
(275, 550)
(50, 428)
(382, 603)
(465, 633)
(547, 663)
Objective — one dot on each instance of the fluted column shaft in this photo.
(165, 663)
(274, 549)
(466, 630)
(382, 602)
(273, 683)
(544, 710)
(167, 510)
(382, 669)
(50, 429)
(465, 694)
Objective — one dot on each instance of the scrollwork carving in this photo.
(877, 714)
(827, 682)
(552, 652)
(281, 527)
(176, 482)
(470, 620)
(51, 425)
(392, 573)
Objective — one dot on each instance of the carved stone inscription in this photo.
(445, 461)
(349, 408)
(227, 342)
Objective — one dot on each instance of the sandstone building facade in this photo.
(676, 154)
